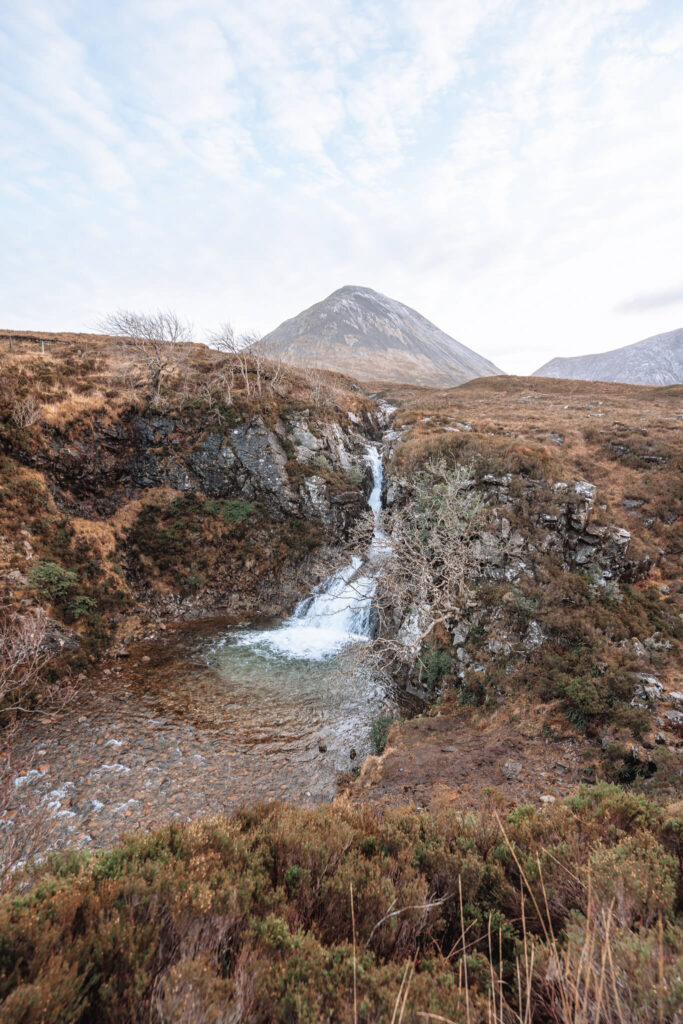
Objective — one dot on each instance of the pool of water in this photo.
(210, 716)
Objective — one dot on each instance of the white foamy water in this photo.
(338, 612)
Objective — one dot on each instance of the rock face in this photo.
(554, 524)
(657, 360)
(237, 514)
(365, 334)
(301, 466)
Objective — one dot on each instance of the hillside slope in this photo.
(372, 337)
(657, 360)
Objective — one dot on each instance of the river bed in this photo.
(204, 725)
(208, 717)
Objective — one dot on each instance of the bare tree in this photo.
(322, 394)
(26, 412)
(428, 561)
(234, 346)
(23, 656)
(160, 340)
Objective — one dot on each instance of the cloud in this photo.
(509, 169)
(651, 300)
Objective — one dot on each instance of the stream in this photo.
(208, 717)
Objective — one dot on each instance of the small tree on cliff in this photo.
(428, 564)
(159, 340)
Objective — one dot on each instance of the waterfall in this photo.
(338, 612)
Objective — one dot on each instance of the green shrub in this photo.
(81, 607)
(232, 510)
(52, 581)
(435, 663)
(379, 727)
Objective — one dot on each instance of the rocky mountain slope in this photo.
(115, 511)
(657, 360)
(371, 337)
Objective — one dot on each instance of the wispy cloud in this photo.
(652, 300)
(511, 170)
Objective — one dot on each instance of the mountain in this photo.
(365, 334)
(657, 360)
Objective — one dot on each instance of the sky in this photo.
(512, 170)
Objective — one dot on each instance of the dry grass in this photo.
(626, 439)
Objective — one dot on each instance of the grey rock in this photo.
(459, 635)
(213, 465)
(534, 635)
(511, 769)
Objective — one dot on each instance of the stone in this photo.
(585, 490)
(459, 635)
(674, 717)
(676, 697)
(260, 453)
(534, 635)
(547, 798)
(314, 494)
(511, 769)
(214, 465)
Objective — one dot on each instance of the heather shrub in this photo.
(269, 915)
(637, 877)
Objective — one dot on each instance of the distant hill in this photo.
(369, 336)
(657, 360)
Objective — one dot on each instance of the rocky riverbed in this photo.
(189, 725)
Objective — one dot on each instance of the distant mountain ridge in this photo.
(367, 335)
(656, 361)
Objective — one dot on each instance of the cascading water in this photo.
(338, 612)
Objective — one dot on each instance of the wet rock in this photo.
(213, 465)
(261, 454)
(315, 498)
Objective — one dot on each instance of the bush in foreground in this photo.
(563, 914)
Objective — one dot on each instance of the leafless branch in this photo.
(426, 569)
(23, 656)
(159, 340)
